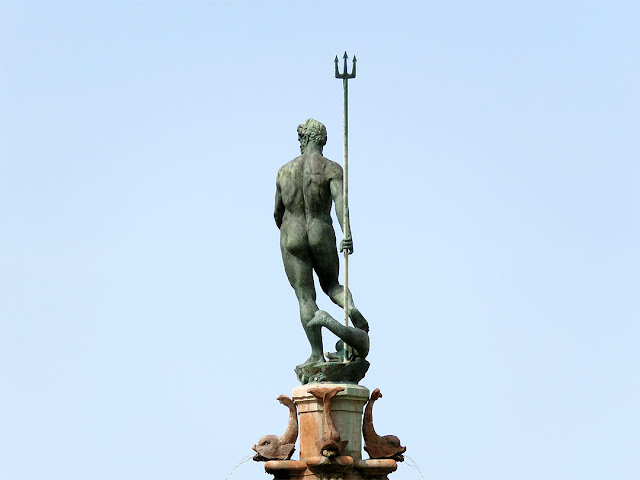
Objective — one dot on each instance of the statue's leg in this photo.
(327, 267)
(354, 337)
(299, 271)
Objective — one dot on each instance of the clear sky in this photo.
(146, 323)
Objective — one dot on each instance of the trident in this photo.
(345, 76)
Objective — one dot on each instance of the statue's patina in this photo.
(306, 187)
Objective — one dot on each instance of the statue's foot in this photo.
(358, 319)
(315, 359)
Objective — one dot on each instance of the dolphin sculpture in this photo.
(272, 447)
(375, 445)
(330, 445)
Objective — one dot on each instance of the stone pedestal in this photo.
(346, 408)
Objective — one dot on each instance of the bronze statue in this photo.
(306, 187)
(271, 447)
(375, 445)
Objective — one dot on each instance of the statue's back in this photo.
(305, 185)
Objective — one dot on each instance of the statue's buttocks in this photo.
(306, 195)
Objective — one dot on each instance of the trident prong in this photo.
(345, 73)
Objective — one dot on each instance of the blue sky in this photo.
(146, 323)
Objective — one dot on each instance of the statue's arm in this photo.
(335, 185)
(278, 211)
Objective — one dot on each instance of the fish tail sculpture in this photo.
(272, 447)
(331, 445)
(375, 445)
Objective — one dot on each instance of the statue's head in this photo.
(312, 131)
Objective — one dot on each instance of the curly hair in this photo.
(312, 130)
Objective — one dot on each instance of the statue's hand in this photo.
(347, 244)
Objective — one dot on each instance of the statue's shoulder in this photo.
(332, 169)
(287, 167)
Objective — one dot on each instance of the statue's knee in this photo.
(326, 288)
(332, 288)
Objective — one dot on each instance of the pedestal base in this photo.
(346, 413)
(337, 468)
(332, 372)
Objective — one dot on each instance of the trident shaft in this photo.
(345, 76)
